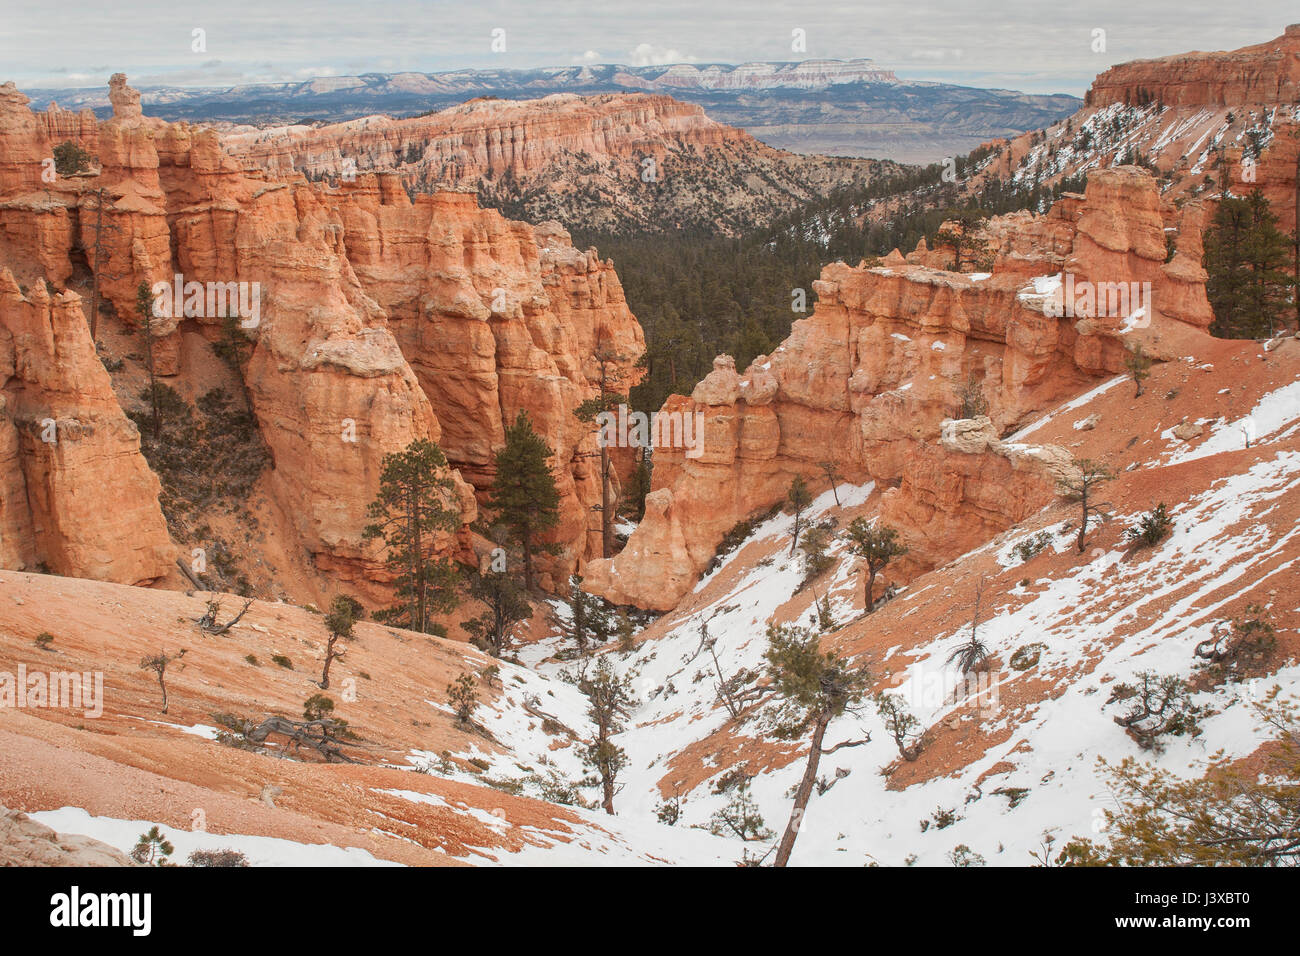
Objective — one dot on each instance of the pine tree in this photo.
(798, 498)
(1083, 488)
(144, 306)
(877, 545)
(607, 400)
(524, 497)
(415, 501)
(609, 701)
(344, 612)
(1246, 261)
(814, 689)
(507, 605)
(1138, 364)
(589, 617)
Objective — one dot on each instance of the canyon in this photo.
(607, 162)
(496, 317)
(951, 405)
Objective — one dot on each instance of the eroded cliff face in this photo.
(76, 495)
(607, 161)
(1264, 73)
(378, 320)
(869, 379)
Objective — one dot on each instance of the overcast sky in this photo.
(1034, 45)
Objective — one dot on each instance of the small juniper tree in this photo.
(900, 724)
(609, 701)
(317, 707)
(741, 816)
(1082, 488)
(507, 605)
(463, 695)
(798, 498)
(833, 478)
(877, 545)
(1230, 644)
(815, 559)
(1138, 364)
(70, 158)
(1152, 528)
(1159, 705)
(415, 501)
(343, 614)
(814, 688)
(524, 497)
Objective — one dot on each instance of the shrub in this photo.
(462, 693)
(1152, 528)
(152, 849)
(1161, 705)
(317, 707)
(217, 858)
(44, 640)
(1032, 546)
(282, 661)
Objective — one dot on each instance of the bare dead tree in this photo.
(96, 267)
(319, 735)
(158, 664)
(209, 624)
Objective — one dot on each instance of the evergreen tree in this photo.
(344, 612)
(609, 700)
(814, 688)
(524, 497)
(415, 501)
(589, 616)
(1138, 364)
(798, 498)
(144, 306)
(607, 401)
(1083, 487)
(1246, 261)
(507, 605)
(877, 545)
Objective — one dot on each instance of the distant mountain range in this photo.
(837, 107)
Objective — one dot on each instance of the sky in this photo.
(1037, 46)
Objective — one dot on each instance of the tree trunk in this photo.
(607, 786)
(802, 795)
(606, 508)
(527, 543)
(871, 586)
(94, 276)
(329, 659)
(1083, 525)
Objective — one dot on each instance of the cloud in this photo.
(937, 55)
(590, 56)
(646, 54)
